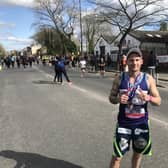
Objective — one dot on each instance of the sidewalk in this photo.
(161, 82)
(163, 77)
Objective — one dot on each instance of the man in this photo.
(56, 70)
(102, 66)
(62, 70)
(124, 66)
(133, 90)
(82, 64)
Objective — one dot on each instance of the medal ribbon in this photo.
(133, 87)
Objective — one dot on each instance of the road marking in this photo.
(103, 98)
(78, 88)
(91, 94)
(159, 121)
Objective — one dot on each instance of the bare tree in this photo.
(93, 28)
(89, 30)
(58, 15)
(163, 26)
(46, 37)
(130, 15)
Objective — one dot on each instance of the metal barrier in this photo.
(152, 72)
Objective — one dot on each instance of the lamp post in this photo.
(81, 32)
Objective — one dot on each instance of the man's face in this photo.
(134, 62)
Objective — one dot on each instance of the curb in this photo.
(160, 78)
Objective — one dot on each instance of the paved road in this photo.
(93, 82)
(47, 125)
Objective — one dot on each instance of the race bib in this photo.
(134, 111)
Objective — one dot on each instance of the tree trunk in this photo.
(120, 45)
(119, 56)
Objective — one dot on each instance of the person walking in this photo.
(0, 65)
(56, 70)
(102, 66)
(18, 61)
(133, 90)
(62, 70)
(124, 66)
(82, 64)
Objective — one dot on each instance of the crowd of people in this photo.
(12, 61)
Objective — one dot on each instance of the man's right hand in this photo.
(124, 98)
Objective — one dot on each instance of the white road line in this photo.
(103, 98)
(78, 88)
(159, 121)
(91, 94)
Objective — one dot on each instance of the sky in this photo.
(16, 19)
(16, 24)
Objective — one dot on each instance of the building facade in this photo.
(152, 43)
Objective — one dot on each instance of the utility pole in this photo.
(81, 32)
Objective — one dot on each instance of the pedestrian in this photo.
(152, 64)
(0, 65)
(62, 70)
(93, 62)
(30, 60)
(82, 64)
(13, 61)
(18, 61)
(102, 66)
(133, 90)
(24, 61)
(8, 62)
(124, 66)
(56, 70)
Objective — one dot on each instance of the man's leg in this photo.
(56, 74)
(121, 144)
(65, 74)
(60, 77)
(136, 160)
(115, 162)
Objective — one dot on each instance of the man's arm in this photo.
(155, 98)
(114, 94)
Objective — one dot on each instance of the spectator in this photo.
(62, 70)
(83, 66)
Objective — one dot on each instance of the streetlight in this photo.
(81, 32)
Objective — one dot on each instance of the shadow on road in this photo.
(43, 82)
(88, 76)
(32, 160)
(160, 86)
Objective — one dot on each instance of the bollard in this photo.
(157, 78)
